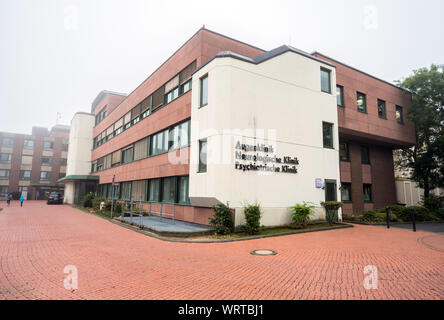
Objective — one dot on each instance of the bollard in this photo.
(131, 212)
(413, 220)
(387, 213)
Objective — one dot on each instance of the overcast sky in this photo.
(57, 55)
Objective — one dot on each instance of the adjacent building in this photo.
(224, 121)
(33, 163)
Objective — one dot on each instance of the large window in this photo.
(116, 158)
(365, 155)
(159, 143)
(127, 155)
(3, 191)
(25, 175)
(172, 89)
(5, 157)
(361, 101)
(330, 190)
(125, 190)
(325, 80)
(344, 153)
(204, 91)
(169, 189)
(28, 144)
(45, 175)
(203, 155)
(185, 77)
(399, 115)
(179, 136)
(138, 190)
(346, 192)
(7, 142)
(4, 174)
(327, 132)
(340, 95)
(184, 185)
(382, 112)
(154, 190)
(367, 192)
(101, 115)
(48, 145)
(46, 161)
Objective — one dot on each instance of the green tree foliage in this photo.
(426, 159)
(301, 213)
(253, 215)
(222, 220)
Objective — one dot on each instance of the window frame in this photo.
(203, 167)
(379, 102)
(324, 123)
(348, 184)
(201, 86)
(341, 95)
(347, 151)
(369, 186)
(330, 181)
(399, 120)
(328, 71)
(367, 159)
(364, 102)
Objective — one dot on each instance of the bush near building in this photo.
(87, 200)
(252, 213)
(331, 211)
(222, 219)
(396, 214)
(301, 213)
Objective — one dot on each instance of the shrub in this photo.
(222, 220)
(300, 213)
(252, 214)
(379, 216)
(433, 203)
(421, 213)
(97, 201)
(331, 210)
(87, 200)
(117, 207)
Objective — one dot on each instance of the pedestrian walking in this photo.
(8, 199)
(21, 200)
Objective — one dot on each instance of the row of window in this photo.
(361, 102)
(170, 91)
(101, 115)
(172, 138)
(344, 153)
(166, 190)
(346, 192)
(27, 159)
(26, 174)
(28, 144)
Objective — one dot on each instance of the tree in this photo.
(426, 158)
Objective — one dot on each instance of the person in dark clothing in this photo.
(8, 199)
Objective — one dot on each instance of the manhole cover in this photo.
(263, 252)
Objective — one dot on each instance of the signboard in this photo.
(318, 183)
(261, 157)
(25, 194)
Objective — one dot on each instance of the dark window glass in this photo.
(365, 155)
(127, 155)
(327, 130)
(154, 190)
(204, 91)
(4, 174)
(5, 157)
(7, 141)
(125, 190)
(46, 161)
(25, 175)
(330, 190)
(367, 192)
(344, 154)
(340, 95)
(28, 144)
(399, 115)
(45, 175)
(48, 145)
(169, 189)
(203, 156)
(361, 102)
(325, 80)
(345, 192)
(3, 191)
(184, 189)
(382, 113)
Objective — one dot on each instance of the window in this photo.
(3, 191)
(62, 175)
(116, 157)
(100, 164)
(158, 98)
(141, 149)
(127, 155)
(344, 153)
(330, 190)
(65, 147)
(367, 193)
(361, 101)
(94, 166)
(7, 142)
(28, 144)
(172, 89)
(154, 190)
(184, 185)
(125, 190)
(159, 143)
(179, 136)
(48, 145)
(185, 77)
(4, 174)
(138, 190)
(46, 161)
(170, 96)
(202, 156)
(5, 157)
(204, 91)
(325, 80)
(365, 155)
(169, 189)
(346, 192)
(25, 175)
(45, 175)
(399, 115)
(382, 113)
(340, 95)
(327, 131)
(63, 162)
(101, 115)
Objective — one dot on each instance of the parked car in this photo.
(55, 198)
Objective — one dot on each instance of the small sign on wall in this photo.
(318, 183)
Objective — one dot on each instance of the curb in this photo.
(391, 223)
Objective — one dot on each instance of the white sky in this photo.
(57, 55)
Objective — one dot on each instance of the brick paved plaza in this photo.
(38, 241)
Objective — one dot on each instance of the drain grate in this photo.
(263, 252)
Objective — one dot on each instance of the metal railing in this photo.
(139, 212)
(162, 213)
